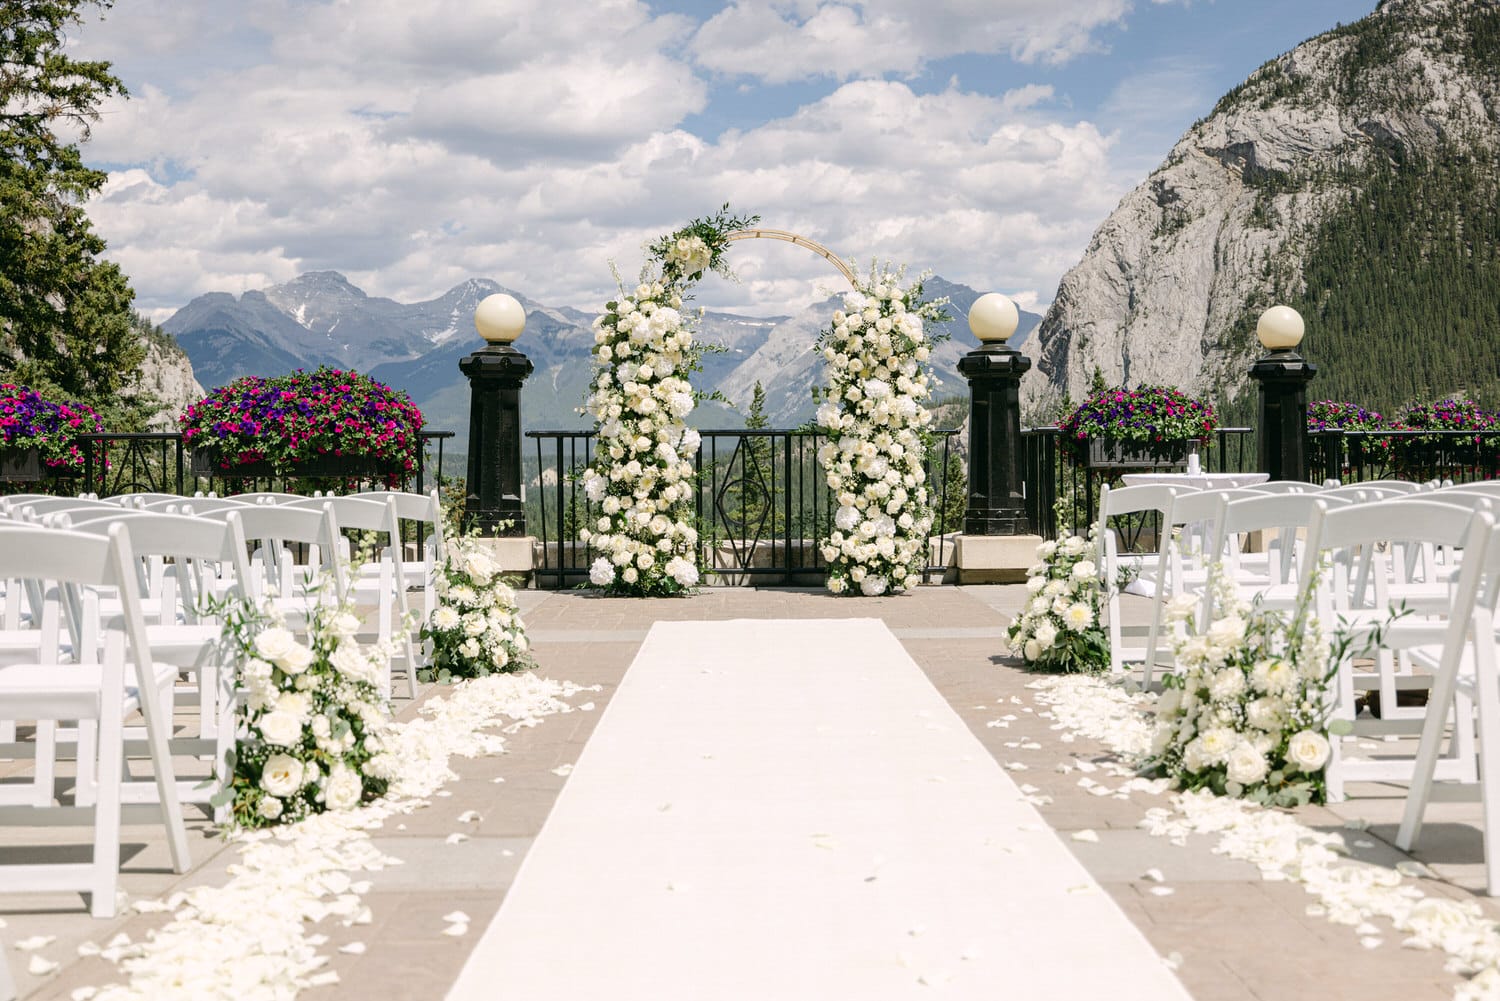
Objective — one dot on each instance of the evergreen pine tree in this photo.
(65, 317)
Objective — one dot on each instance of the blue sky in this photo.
(412, 145)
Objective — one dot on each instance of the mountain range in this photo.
(1355, 178)
(321, 318)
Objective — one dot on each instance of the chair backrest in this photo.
(425, 509)
(83, 560)
(41, 506)
(1478, 486)
(1285, 513)
(193, 544)
(141, 498)
(274, 525)
(1397, 486)
(1362, 493)
(267, 497)
(205, 505)
(1367, 539)
(1284, 487)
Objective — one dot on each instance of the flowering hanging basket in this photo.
(40, 437)
(328, 422)
(1147, 427)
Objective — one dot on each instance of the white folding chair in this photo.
(1115, 503)
(209, 563)
(384, 586)
(99, 693)
(1359, 595)
(271, 530)
(1466, 671)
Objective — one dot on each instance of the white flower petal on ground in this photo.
(256, 927)
(41, 966)
(1086, 835)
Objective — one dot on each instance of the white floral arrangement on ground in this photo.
(1059, 630)
(1246, 714)
(642, 477)
(313, 714)
(873, 412)
(476, 629)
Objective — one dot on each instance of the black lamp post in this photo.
(1283, 376)
(496, 373)
(997, 505)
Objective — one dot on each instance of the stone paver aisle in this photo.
(789, 809)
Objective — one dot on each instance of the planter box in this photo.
(1105, 453)
(22, 465)
(346, 466)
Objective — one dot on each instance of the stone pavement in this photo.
(1238, 936)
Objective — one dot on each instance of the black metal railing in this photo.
(160, 462)
(760, 504)
(1062, 488)
(1417, 456)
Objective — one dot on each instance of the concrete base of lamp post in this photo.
(995, 559)
(516, 554)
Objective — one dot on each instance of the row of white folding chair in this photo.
(107, 685)
(1153, 569)
(208, 562)
(1365, 593)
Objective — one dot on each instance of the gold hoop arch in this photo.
(793, 238)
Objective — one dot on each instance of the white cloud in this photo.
(862, 38)
(533, 141)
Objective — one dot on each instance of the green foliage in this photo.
(1398, 287)
(65, 319)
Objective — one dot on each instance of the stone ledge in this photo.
(516, 554)
(995, 559)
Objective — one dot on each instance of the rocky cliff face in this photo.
(1172, 282)
(166, 375)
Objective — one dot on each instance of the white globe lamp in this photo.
(993, 318)
(1280, 328)
(499, 318)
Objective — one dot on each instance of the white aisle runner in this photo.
(788, 810)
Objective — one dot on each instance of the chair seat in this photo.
(183, 645)
(72, 690)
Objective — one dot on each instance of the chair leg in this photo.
(1487, 687)
(161, 767)
(46, 764)
(106, 862)
(1438, 701)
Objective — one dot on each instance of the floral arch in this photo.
(871, 411)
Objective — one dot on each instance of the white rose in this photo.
(295, 660)
(272, 644)
(1032, 650)
(343, 788)
(282, 775)
(1308, 751)
(1246, 765)
(1046, 635)
(269, 807)
(348, 661)
(1084, 570)
(280, 729)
